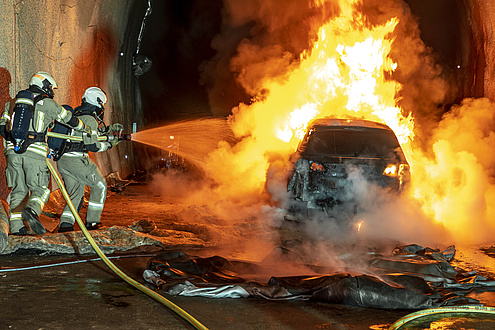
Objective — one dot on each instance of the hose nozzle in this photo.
(125, 137)
(118, 136)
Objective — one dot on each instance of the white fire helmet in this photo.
(95, 96)
(44, 81)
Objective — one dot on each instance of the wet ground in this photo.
(88, 295)
(69, 292)
(82, 296)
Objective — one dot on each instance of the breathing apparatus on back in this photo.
(93, 104)
(42, 84)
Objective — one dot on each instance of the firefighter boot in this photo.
(93, 225)
(32, 218)
(65, 227)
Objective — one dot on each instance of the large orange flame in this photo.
(345, 74)
(348, 73)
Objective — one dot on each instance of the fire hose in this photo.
(108, 137)
(432, 311)
(112, 266)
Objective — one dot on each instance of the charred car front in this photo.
(334, 157)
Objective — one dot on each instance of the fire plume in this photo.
(346, 73)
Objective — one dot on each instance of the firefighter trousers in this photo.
(77, 173)
(28, 177)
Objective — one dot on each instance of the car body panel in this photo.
(335, 154)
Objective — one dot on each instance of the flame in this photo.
(455, 184)
(296, 123)
(348, 73)
(344, 74)
(359, 226)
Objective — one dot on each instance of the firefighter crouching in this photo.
(30, 115)
(77, 169)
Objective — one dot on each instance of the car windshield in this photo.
(351, 142)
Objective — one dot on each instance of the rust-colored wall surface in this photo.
(5, 80)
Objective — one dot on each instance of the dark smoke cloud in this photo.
(259, 40)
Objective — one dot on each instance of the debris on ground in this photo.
(115, 183)
(412, 277)
(110, 240)
(143, 226)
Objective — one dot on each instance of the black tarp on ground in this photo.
(412, 277)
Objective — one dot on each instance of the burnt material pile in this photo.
(412, 277)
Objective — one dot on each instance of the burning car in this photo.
(332, 159)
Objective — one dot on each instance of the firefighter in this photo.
(76, 167)
(27, 173)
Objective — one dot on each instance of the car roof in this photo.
(340, 122)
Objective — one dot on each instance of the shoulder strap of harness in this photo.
(40, 97)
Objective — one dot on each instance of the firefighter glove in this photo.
(116, 128)
(114, 142)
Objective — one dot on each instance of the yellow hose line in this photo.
(441, 310)
(126, 278)
(72, 138)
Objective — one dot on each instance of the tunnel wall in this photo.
(481, 19)
(78, 42)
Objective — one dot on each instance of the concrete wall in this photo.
(78, 42)
(486, 13)
(481, 19)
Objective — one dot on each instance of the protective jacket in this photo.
(78, 170)
(46, 111)
(90, 143)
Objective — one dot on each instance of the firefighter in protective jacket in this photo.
(78, 170)
(27, 173)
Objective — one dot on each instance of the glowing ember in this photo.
(359, 225)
